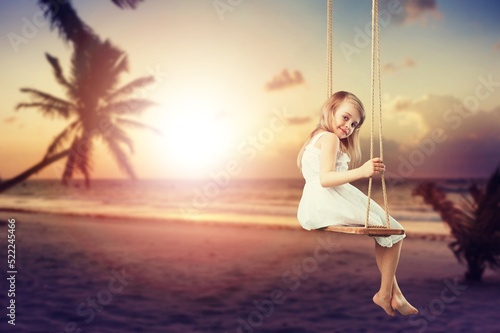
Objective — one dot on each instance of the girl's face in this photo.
(346, 120)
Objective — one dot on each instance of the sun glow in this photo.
(197, 134)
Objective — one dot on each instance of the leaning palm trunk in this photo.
(475, 224)
(33, 170)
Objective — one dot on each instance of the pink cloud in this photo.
(298, 120)
(10, 120)
(391, 67)
(284, 80)
(415, 11)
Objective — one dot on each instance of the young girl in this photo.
(329, 199)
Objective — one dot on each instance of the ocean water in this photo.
(262, 201)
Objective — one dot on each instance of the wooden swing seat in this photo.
(360, 229)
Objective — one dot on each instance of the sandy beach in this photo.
(78, 274)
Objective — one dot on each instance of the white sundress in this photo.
(340, 205)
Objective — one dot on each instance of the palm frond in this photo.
(493, 186)
(116, 134)
(58, 72)
(47, 98)
(46, 108)
(131, 87)
(120, 64)
(130, 106)
(469, 206)
(121, 158)
(64, 18)
(60, 139)
(96, 70)
(476, 193)
(127, 3)
(488, 210)
(133, 123)
(437, 199)
(474, 225)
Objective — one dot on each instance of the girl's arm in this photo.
(329, 145)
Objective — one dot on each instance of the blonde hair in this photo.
(330, 107)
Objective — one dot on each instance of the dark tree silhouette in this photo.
(475, 224)
(96, 107)
(64, 17)
(127, 3)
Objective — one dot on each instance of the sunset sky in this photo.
(241, 87)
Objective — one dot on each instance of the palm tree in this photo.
(97, 110)
(475, 225)
(96, 107)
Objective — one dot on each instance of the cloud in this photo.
(415, 11)
(391, 67)
(409, 62)
(418, 9)
(497, 46)
(468, 143)
(450, 114)
(298, 120)
(451, 158)
(10, 120)
(285, 80)
(401, 104)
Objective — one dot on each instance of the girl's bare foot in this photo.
(399, 302)
(384, 303)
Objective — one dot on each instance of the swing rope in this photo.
(375, 71)
(376, 55)
(329, 53)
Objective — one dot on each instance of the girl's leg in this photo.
(387, 261)
(390, 297)
(399, 302)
